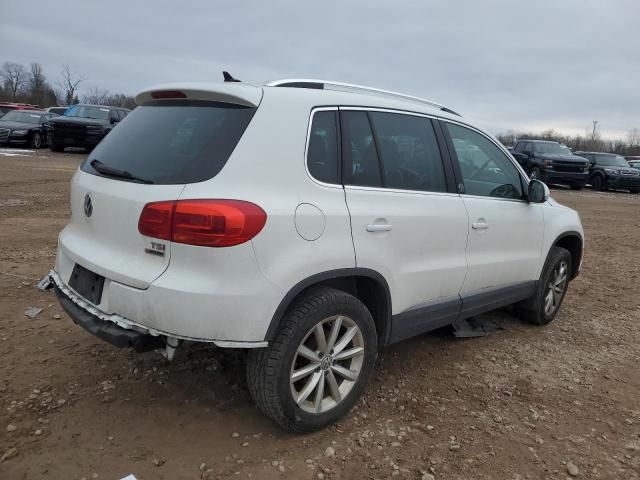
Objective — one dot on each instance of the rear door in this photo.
(407, 223)
(162, 146)
(505, 231)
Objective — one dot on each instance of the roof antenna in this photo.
(228, 78)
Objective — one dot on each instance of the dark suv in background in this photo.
(552, 162)
(83, 126)
(609, 170)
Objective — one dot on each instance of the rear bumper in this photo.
(105, 330)
(566, 178)
(157, 306)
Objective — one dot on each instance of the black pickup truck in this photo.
(552, 162)
(83, 126)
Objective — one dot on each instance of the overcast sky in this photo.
(505, 63)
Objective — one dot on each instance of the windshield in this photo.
(554, 148)
(22, 116)
(192, 141)
(611, 161)
(85, 111)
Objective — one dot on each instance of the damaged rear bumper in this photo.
(121, 331)
(108, 331)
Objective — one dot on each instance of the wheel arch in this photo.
(574, 243)
(369, 286)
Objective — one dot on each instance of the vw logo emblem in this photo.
(326, 363)
(88, 205)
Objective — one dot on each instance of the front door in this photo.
(505, 231)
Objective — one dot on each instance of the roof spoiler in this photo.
(229, 92)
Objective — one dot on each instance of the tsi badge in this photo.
(156, 249)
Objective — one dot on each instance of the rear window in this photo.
(173, 142)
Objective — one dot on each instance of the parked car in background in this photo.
(58, 110)
(609, 170)
(6, 107)
(552, 162)
(83, 126)
(378, 217)
(25, 128)
(634, 161)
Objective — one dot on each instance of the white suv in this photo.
(311, 222)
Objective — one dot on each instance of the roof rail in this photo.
(341, 86)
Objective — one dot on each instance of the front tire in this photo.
(597, 183)
(315, 369)
(56, 148)
(536, 174)
(543, 307)
(36, 141)
(576, 187)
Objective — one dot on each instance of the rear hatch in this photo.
(169, 141)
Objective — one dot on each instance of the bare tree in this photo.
(633, 136)
(14, 77)
(37, 80)
(69, 84)
(96, 96)
(37, 83)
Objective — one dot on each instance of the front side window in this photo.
(322, 154)
(359, 154)
(485, 169)
(409, 152)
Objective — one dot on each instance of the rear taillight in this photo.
(206, 223)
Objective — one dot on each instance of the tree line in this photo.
(591, 141)
(29, 84)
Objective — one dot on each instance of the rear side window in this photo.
(486, 170)
(409, 152)
(322, 155)
(359, 154)
(173, 141)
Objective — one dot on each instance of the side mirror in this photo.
(114, 120)
(538, 192)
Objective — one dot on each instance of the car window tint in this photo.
(486, 170)
(192, 141)
(322, 153)
(359, 154)
(409, 152)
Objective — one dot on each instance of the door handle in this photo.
(481, 224)
(379, 227)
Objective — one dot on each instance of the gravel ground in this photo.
(554, 402)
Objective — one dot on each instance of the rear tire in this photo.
(544, 305)
(634, 191)
(275, 374)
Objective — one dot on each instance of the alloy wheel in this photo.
(327, 364)
(556, 288)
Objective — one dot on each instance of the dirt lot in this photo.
(523, 403)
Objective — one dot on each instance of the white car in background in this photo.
(310, 222)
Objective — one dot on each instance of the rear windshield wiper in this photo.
(116, 172)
